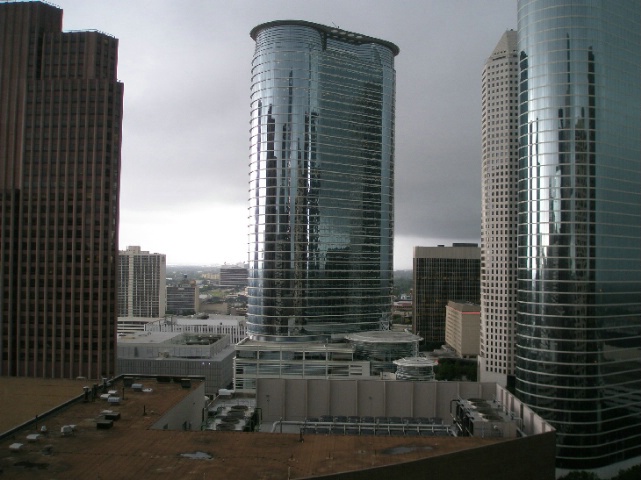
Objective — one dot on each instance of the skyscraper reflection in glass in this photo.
(321, 185)
(579, 247)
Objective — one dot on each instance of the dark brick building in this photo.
(442, 274)
(60, 137)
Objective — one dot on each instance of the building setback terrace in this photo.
(144, 436)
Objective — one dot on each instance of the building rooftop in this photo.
(383, 336)
(249, 344)
(213, 319)
(147, 337)
(416, 362)
(335, 32)
(30, 396)
(133, 450)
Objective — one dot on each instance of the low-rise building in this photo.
(178, 354)
(233, 325)
(134, 324)
(257, 359)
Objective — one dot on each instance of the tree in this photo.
(580, 475)
(632, 473)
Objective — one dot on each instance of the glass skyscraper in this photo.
(578, 360)
(321, 182)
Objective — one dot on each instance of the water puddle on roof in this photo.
(401, 449)
(27, 464)
(197, 456)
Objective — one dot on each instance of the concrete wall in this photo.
(218, 371)
(188, 414)
(526, 458)
(297, 399)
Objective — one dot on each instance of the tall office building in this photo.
(499, 210)
(60, 128)
(321, 182)
(442, 274)
(142, 289)
(578, 333)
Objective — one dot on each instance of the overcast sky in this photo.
(185, 154)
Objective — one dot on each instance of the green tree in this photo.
(633, 473)
(580, 475)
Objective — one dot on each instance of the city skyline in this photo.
(185, 133)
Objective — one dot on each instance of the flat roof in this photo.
(335, 32)
(130, 449)
(416, 362)
(383, 336)
(22, 398)
(249, 344)
(214, 319)
(147, 337)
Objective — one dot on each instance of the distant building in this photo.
(463, 328)
(442, 274)
(182, 299)
(402, 308)
(233, 276)
(178, 354)
(142, 291)
(60, 138)
(234, 326)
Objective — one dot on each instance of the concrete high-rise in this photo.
(60, 131)
(142, 289)
(578, 333)
(442, 274)
(321, 182)
(499, 210)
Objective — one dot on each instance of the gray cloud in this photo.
(186, 68)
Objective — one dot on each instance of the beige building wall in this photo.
(499, 209)
(463, 328)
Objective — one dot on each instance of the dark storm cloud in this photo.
(186, 69)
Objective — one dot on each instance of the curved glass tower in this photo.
(321, 182)
(579, 247)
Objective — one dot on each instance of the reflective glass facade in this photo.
(321, 182)
(579, 245)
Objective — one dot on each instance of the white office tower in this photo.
(142, 289)
(499, 211)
